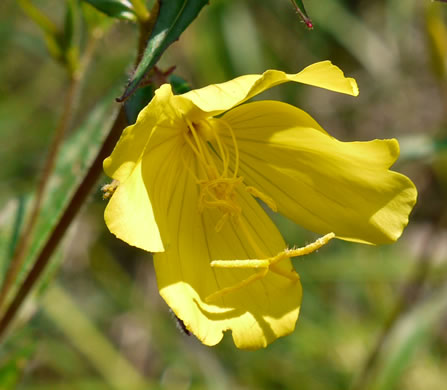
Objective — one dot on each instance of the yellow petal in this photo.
(132, 143)
(256, 314)
(129, 215)
(319, 182)
(217, 98)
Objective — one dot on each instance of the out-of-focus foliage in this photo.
(75, 157)
(120, 9)
(396, 51)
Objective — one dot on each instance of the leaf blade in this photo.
(173, 18)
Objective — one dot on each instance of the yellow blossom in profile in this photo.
(191, 171)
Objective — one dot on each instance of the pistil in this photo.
(265, 265)
(217, 180)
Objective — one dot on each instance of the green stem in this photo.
(145, 28)
(69, 214)
(70, 103)
(25, 238)
(301, 11)
(78, 198)
(140, 10)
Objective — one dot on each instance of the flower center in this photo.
(216, 180)
(218, 183)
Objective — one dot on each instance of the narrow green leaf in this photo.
(119, 9)
(173, 18)
(75, 157)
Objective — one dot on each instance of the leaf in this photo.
(119, 9)
(75, 156)
(137, 102)
(143, 96)
(179, 85)
(173, 18)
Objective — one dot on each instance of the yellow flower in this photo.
(190, 170)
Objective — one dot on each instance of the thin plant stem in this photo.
(70, 103)
(25, 237)
(302, 13)
(68, 216)
(140, 10)
(78, 199)
(146, 26)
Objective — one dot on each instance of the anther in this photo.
(109, 189)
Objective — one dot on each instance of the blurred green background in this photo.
(370, 315)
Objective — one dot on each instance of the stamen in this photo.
(218, 190)
(109, 189)
(311, 247)
(269, 264)
(260, 195)
(194, 134)
(238, 286)
(217, 186)
(236, 149)
(291, 274)
(224, 155)
(193, 147)
(251, 263)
